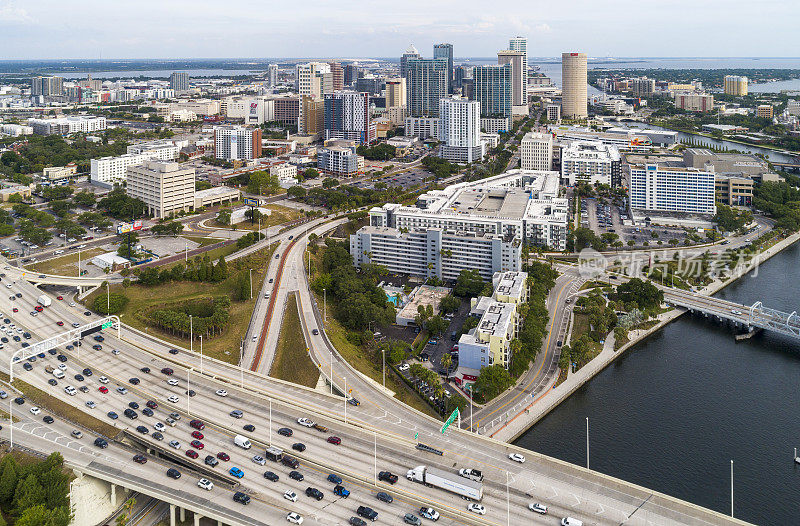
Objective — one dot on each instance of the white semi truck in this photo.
(44, 301)
(469, 489)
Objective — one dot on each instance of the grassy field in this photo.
(213, 254)
(292, 362)
(280, 214)
(224, 346)
(66, 265)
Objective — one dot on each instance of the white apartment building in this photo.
(165, 187)
(314, 78)
(793, 107)
(422, 127)
(460, 131)
(285, 172)
(520, 204)
(67, 125)
(668, 189)
(491, 139)
(108, 171)
(591, 162)
(165, 150)
(536, 151)
(495, 124)
(15, 130)
(237, 142)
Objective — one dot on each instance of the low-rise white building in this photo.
(107, 171)
(165, 187)
(591, 162)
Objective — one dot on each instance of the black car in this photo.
(130, 413)
(384, 497)
(296, 475)
(157, 436)
(83, 389)
(27, 366)
(241, 497)
(145, 370)
(18, 294)
(133, 405)
(97, 347)
(285, 431)
(314, 493)
(147, 411)
(269, 475)
(87, 372)
(191, 393)
(249, 427)
(19, 400)
(101, 443)
(387, 476)
(211, 460)
(87, 313)
(52, 352)
(174, 351)
(62, 358)
(112, 415)
(357, 521)
(134, 381)
(173, 473)
(299, 446)
(140, 459)
(367, 513)
(48, 419)
(79, 377)
(142, 429)
(52, 381)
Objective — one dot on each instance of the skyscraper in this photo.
(426, 83)
(735, 85)
(350, 74)
(47, 86)
(460, 130)
(460, 73)
(411, 53)
(395, 92)
(347, 117)
(492, 88)
(573, 88)
(314, 78)
(445, 51)
(521, 44)
(179, 81)
(272, 75)
(338, 75)
(515, 58)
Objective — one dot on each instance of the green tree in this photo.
(224, 216)
(468, 283)
(449, 304)
(28, 493)
(437, 325)
(492, 381)
(8, 480)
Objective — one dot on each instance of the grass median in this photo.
(292, 362)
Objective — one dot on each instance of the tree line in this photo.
(176, 319)
(198, 268)
(35, 494)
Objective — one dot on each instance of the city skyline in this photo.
(95, 32)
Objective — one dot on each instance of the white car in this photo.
(90, 404)
(158, 426)
(71, 303)
(221, 392)
(538, 508)
(290, 495)
(294, 518)
(62, 366)
(103, 380)
(35, 410)
(205, 484)
(172, 381)
(404, 367)
(175, 444)
(305, 422)
(173, 399)
(477, 508)
(516, 457)
(258, 459)
(70, 390)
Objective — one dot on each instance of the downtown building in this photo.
(340, 161)
(237, 143)
(663, 188)
(179, 81)
(519, 94)
(108, 171)
(735, 85)
(47, 86)
(460, 130)
(591, 162)
(165, 187)
(426, 83)
(67, 125)
(445, 52)
(536, 151)
(347, 116)
(574, 96)
(520, 44)
(314, 78)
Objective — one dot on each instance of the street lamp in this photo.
(383, 352)
(191, 334)
(331, 376)
(108, 298)
(731, 487)
(201, 354)
(251, 283)
(324, 306)
(587, 442)
(345, 400)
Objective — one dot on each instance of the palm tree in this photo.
(447, 361)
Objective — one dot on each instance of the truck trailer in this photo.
(452, 482)
(44, 301)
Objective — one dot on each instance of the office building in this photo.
(733, 190)
(410, 54)
(422, 127)
(311, 120)
(553, 112)
(459, 74)
(735, 85)
(56, 173)
(671, 189)
(642, 86)
(237, 143)
(493, 89)
(574, 86)
(47, 86)
(495, 124)
(764, 111)
(287, 109)
(519, 204)
(165, 187)
(793, 107)
(179, 81)
(15, 130)
(694, 102)
(370, 84)
(314, 78)
(591, 162)
(445, 51)
(252, 111)
(395, 92)
(337, 75)
(67, 125)
(108, 171)
(272, 75)
(737, 164)
(426, 83)
(350, 74)
(347, 116)
(338, 161)
(519, 95)
(468, 87)
(521, 44)
(536, 151)
(163, 149)
(460, 130)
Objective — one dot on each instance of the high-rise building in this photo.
(459, 74)
(337, 74)
(493, 89)
(47, 86)
(536, 151)
(179, 81)
(410, 54)
(272, 75)
(237, 142)
(314, 78)
(694, 102)
(165, 187)
(735, 85)
(516, 59)
(642, 86)
(764, 111)
(287, 109)
(338, 160)
(445, 51)
(426, 83)
(350, 74)
(671, 189)
(574, 99)
(460, 130)
(347, 117)
(521, 44)
(311, 120)
(395, 92)
(591, 162)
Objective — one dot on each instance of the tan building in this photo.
(734, 190)
(764, 111)
(574, 97)
(395, 92)
(518, 75)
(165, 187)
(54, 173)
(735, 85)
(23, 191)
(311, 120)
(694, 102)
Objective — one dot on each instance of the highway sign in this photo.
(450, 420)
(107, 324)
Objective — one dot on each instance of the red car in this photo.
(335, 440)
(197, 434)
(60, 323)
(60, 297)
(151, 404)
(167, 371)
(38, 308)
(197, 424)
(197, 444)
(15, 309)
(103, 389)
(223, 456)
(191, 453)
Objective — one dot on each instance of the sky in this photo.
(92, 29)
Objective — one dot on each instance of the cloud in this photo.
(10, 13)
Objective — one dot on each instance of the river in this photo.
(678, 407)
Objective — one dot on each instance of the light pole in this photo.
(375, 457)
(345, 400)
(587, 442)
(251, 283)
(186, 252)
(191, 334)
(383, 352)
(508, 503)
(324, 306)
(731, 487)
(188, 388)
(108, 298)
(270, 422)
(331, 376)
(201, 354)
(241, 361)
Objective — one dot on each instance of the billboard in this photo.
(250, 201)
(254, 108)
(124, 228)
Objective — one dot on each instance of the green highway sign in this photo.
(107, 324)
(450, 420)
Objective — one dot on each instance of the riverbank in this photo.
(729, 139)
(551, 398)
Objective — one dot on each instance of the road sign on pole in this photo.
(455, 414)
(107, 324)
